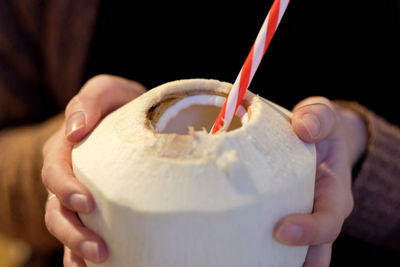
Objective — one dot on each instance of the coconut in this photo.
(169, 194)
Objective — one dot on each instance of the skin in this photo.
(340, 138)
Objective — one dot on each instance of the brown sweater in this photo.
(43, 48)
(43, 52)
(376, 187)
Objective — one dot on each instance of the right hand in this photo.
(340, 137)
(97, 98)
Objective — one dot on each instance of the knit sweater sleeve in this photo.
(22, 195)
(43, 49)
(376, 187)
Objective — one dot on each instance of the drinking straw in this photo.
(250, 66)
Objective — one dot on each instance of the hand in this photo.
(98, 97)
(340, 139)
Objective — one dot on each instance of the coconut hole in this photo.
(193, 113)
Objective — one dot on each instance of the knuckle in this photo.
(72, 104)
(334, 232)
(101, 78)
(48, 146)
(45, 177)
(48, 171)
(91, 91)
(72, 239)
(66, 234)
(99, 81)
(49, 218)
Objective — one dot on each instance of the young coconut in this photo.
(171, 196)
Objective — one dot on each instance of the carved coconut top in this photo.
(218, 171)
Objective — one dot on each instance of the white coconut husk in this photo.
(195, 199)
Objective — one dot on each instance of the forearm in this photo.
(22, 195)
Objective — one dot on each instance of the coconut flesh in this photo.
(169, 194)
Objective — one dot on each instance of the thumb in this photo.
(314, 119)
(97, 98)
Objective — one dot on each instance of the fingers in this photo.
(314, 119)
(318, 256)
(332, 205)
(302, 230)
(72, 260)
(66, 226)
(98, 97)
(58, 177)
(317, 120)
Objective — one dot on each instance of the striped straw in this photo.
(250, 66)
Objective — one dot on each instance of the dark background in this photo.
(338, 49)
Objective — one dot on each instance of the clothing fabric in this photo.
(43, 48)
(48, 49)
(375, 217)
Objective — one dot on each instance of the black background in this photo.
(337, 49)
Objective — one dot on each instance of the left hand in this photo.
(340, 139)
(97, 98)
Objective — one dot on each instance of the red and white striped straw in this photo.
(250, 66)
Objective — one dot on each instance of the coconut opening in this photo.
(191, 113)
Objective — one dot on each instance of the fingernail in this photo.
(289, 233)
(80, 203)
(75, 122)
(90, 250)
(312, 124)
